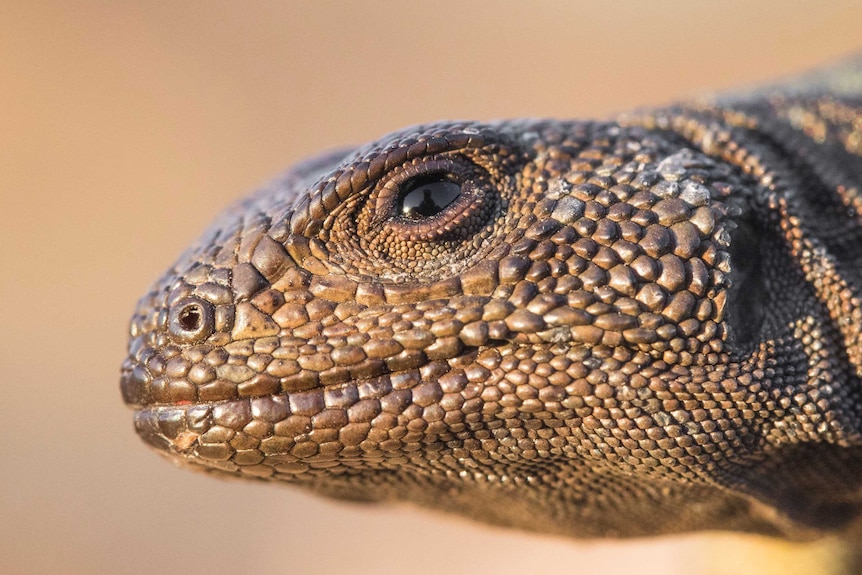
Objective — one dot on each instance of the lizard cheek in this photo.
(191, 319)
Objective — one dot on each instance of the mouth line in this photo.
(137, 382)
(182, 430)
(375, 386)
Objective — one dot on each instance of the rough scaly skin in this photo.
(620, 328)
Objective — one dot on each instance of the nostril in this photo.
(191, 319)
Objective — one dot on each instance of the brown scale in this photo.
(618, 328)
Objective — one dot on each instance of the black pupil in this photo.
(423, 198)
(190, 318)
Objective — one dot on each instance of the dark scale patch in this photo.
(747, 297)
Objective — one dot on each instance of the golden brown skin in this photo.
(620, 328)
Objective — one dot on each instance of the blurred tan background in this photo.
(125, 127)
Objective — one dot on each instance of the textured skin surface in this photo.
(621, 328)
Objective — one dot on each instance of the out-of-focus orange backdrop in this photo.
(125, 127)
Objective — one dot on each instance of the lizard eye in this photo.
(417, 207)
(425, 197)
(434, 199)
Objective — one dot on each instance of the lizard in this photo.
(611, 328)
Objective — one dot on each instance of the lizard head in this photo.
(592, 322)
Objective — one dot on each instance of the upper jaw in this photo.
(134, 382)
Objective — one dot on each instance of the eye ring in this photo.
(191, 319)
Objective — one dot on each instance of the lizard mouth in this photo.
(173, 429)
(406, 369)
(291, 430)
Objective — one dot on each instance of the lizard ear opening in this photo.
(747, 297)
